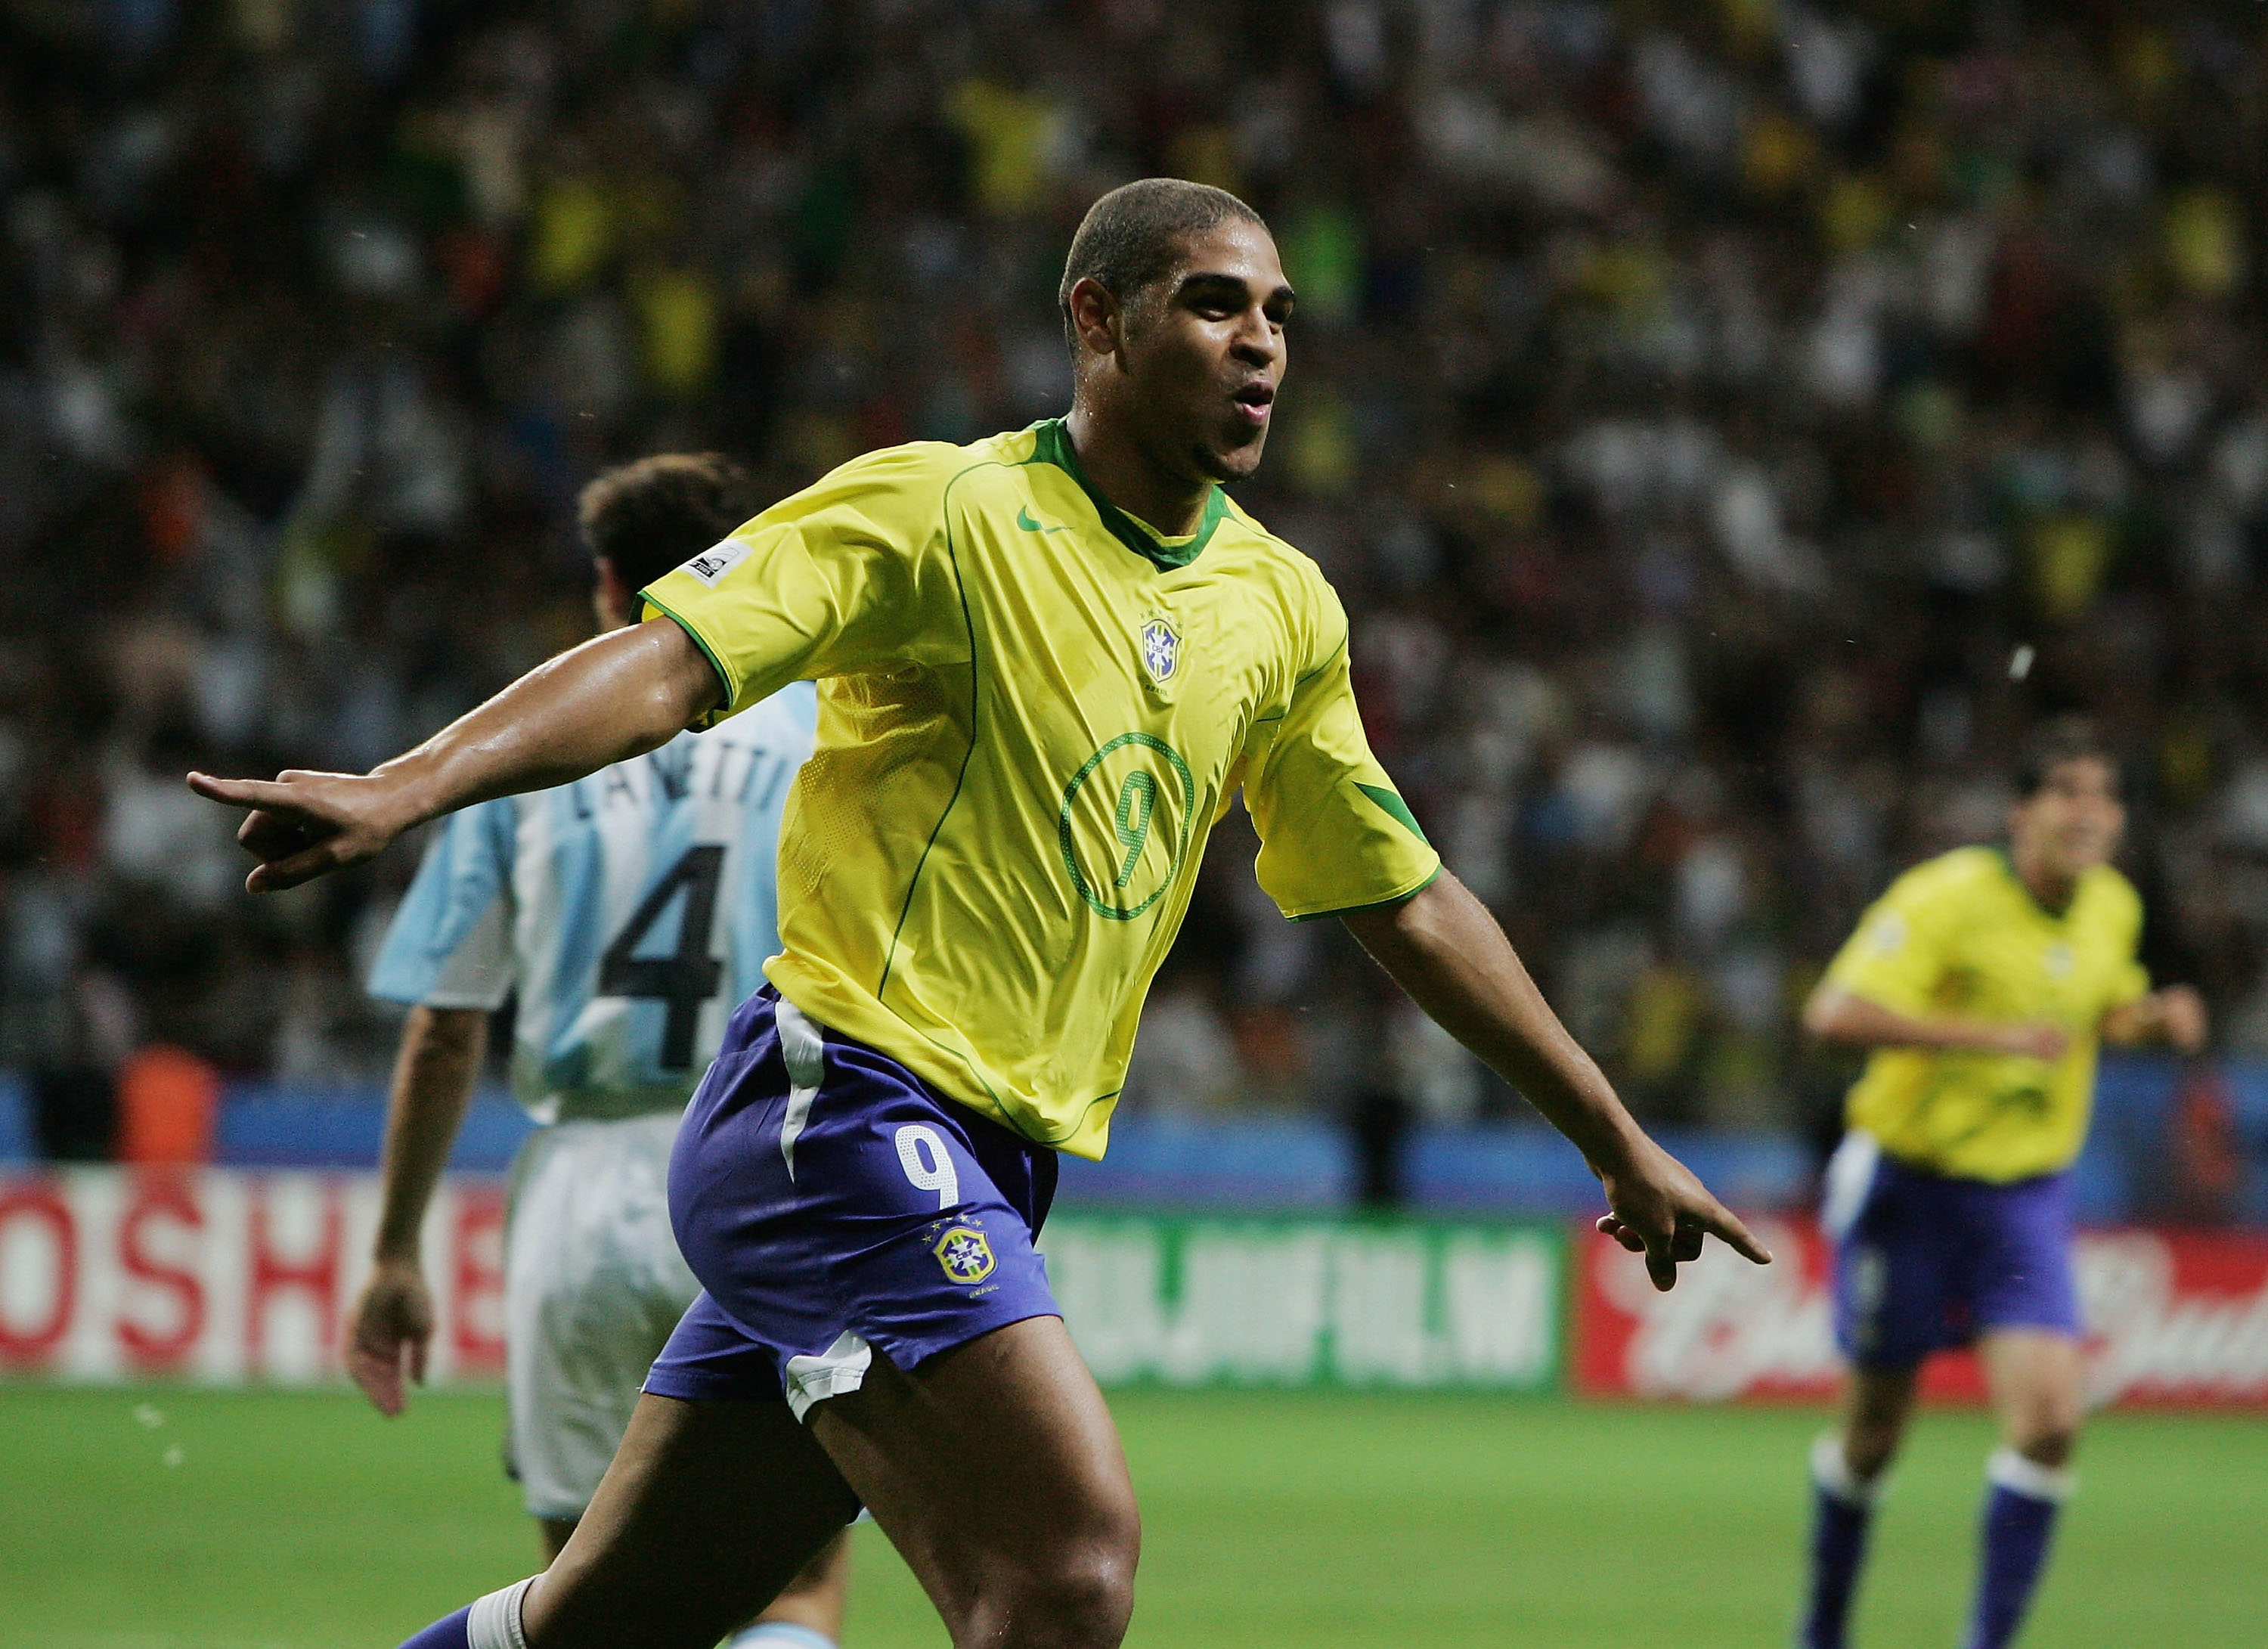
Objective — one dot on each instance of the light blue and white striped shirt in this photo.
(633, 909)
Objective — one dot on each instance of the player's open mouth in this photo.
(1253, 400)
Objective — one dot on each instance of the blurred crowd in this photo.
(1728, 424)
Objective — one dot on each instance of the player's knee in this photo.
(1090, 1590)
(2043, 1425)
(1869, 1449)
(1079, 1597)
(1869, 1460)
(2049, 1438)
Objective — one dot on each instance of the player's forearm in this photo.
(629, 691)
(2133, 1023)
(2176, 1015)
(616, 697)
(1839, 1019)
(433, 1079)
(1446, 951)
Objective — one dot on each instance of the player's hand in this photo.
(389, 1334)
(303, 825)
(1659, 1209)
(2182, 1018)
(2040, 1040)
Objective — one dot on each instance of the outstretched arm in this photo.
(1836, 1016)
(625, 693)
(1446, 951)
(2174, 1016)
(433, 1077)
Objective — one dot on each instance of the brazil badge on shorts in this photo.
(966, 1253)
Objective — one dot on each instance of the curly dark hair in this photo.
(660, 513)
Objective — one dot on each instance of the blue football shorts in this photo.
(1926, 1261)
(831, 1206)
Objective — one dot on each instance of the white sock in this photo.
(494, 1623)
(1830, 1469)
(780, 1634)
(2008, 1469)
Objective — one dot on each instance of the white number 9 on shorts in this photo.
(927, 1164)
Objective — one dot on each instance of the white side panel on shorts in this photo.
(804, 1050)
(840, 1368)
(1849, 1180)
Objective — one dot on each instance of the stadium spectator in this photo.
(1829, 392)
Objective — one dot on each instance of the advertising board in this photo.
(2175, 1318)
(225, 1276)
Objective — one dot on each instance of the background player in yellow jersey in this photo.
(1046, 662)
(1981, 983)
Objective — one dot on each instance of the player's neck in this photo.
(2050, 890)
(1127, 475)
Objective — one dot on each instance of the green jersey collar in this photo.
(2001, 851)
(1052, 445)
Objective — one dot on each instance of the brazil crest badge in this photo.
(966, 1253)
(1161, 649)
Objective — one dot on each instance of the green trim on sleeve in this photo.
(724, 676)
(1393, 904)
(1394, 808)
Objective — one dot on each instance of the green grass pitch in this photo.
(165, 1519)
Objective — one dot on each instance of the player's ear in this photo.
(610, 597)
(1096, 317)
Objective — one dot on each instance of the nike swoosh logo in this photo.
(1024, 520)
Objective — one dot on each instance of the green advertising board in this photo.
(1418, 1304)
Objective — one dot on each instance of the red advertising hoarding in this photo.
(227, 1277)
(223, 1277)
(2175, 1319)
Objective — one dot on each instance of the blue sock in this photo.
(2020, 1517)
(1842, 1511)
(451, 1633)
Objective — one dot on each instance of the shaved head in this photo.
(1129, 238)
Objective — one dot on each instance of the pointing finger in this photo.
(1726, 1225)
(239, 792)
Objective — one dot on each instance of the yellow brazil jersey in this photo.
(1032, 711)
(1961, 935)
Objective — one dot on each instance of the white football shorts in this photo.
(594, 1283)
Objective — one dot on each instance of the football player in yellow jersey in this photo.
(1046, 663)
(1980, 984)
